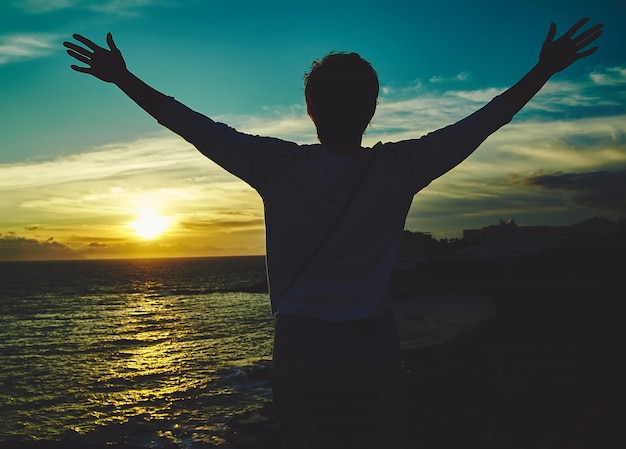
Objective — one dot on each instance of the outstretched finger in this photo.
(79, 56)
(589, 32)
(86, 42)
(77, 49)
(577, 26)
(587, 53)
(80, 69)
(111, 42)
(551, 32)
(589, 39)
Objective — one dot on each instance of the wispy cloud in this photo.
(612, 76)
(42, 6)
(118, 7)
(24, 46)
(462, 76)
(126, 7)
(288, 123)
(601, 93)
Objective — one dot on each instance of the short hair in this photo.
(341, 92)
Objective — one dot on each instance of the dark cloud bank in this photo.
(13, 247)
(602, 191)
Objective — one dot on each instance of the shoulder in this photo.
(404, 152)
(407, 161)
(272, 159)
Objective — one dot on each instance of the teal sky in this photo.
(78, 159)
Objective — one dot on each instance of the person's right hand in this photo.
(107, 65)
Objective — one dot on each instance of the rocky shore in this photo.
(547, 371)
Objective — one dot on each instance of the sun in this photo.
(149, 225)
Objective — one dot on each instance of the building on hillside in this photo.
(507, 239)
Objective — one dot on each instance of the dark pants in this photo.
(339, 384)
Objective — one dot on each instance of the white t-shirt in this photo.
(304, 187)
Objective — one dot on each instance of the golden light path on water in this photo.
(156, 365)
(134, 351)
(159, 354)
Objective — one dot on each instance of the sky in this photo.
(85, 173)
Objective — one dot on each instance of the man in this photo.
(334, 214)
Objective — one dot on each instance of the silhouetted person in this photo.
(335, 214)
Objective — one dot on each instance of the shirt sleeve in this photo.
(419, 161)
(259, 161)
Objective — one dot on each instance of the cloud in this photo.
(42, 6)
(601, 93)
(118, 7)
(462, 76)
(24, 46)
(477, 95)
(289, 123)
(110, 166)
(13, 247)
(603, 191)
(612, 76)
(248, 221)
(126, 7)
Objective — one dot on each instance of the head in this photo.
(341, 92)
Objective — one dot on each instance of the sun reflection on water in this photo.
(153, 369)
(144, 360)
(149, 365)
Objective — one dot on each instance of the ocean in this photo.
(145, 352)
(156, 353)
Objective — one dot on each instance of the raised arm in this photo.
(556, 55)
(447, 147)
(247, 157)
(109, 66)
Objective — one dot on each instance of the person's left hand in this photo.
(559, 54)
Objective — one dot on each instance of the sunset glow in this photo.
(149, 225)
(85, 173)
